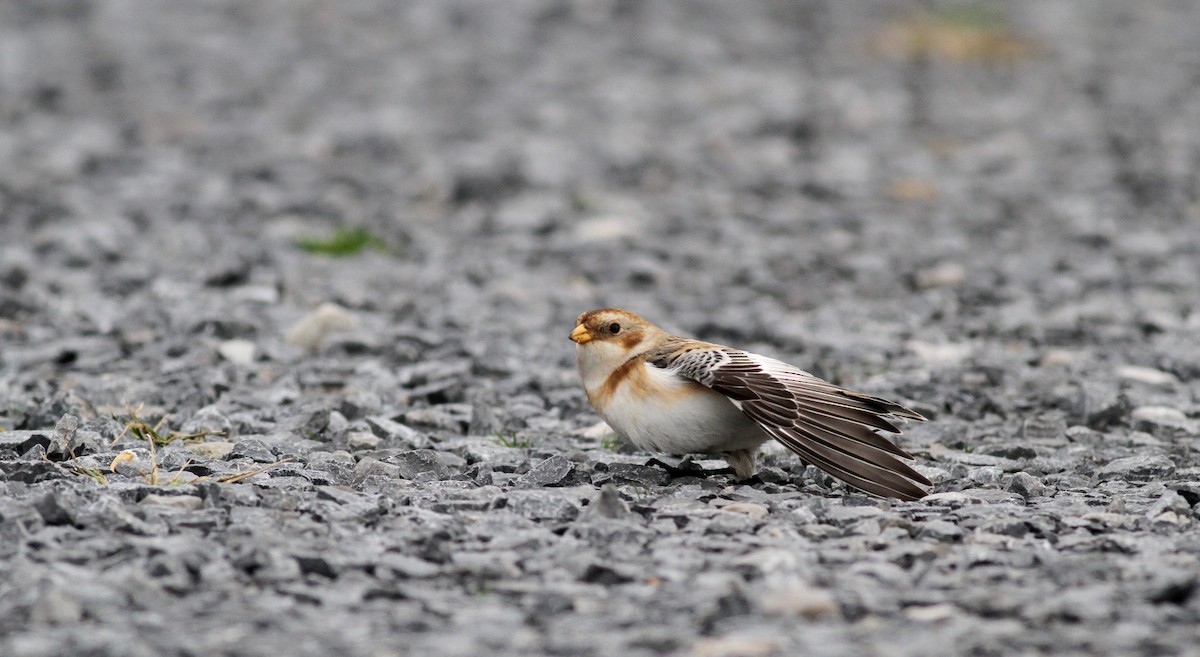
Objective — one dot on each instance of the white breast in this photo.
(684, 418)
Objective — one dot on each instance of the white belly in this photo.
(687, 418)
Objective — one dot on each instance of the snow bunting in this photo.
(676, 395)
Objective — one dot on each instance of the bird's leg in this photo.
(742, 462)
(687, 468)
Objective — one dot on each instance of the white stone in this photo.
(941, 275)
(1058, 358)
(606, 228)
(314, 328)
(735, 647)
(801, 601)
(56, 607)
(952, 497)
(1147, 375)
(238, 352)
(362, 440)
(216, 449)
(755, 511)
(597, 431)
(181, 502)
(946, 353)
(1161, 415)
(931, 613)
(1170, 518)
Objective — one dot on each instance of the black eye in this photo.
(614, 328)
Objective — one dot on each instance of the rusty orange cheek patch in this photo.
(632, 373)
(614, 381)
(630, 341)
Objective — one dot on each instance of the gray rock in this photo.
(484, 420)
(632, 473)
(362, 440)
(1081, 434)
(1073, 482)
(993, 496)
(1015, 527)
(1138, 468)
(414, 464)
(1169, 501)
(847, 515)
(267, 565)
(504, 459)
(340, 458)
(985, 475)
(316, 421)
(111, 514)
(540, 504)
(607, 504)
(447, 417)
(1105, 408)
(178, 502)
(393, 431)
(607, 574)
(360, 403)
(1088, 603)
(940, 531)
(230, 496)
(408, 567)
(547, 472)
(207, 419)
(20, 442)
(29, 472)
(480, 473)
(1048, 429)
(1162, 421)
(370, 467)
(63, 438)
(253, 449)
(338, 494)
(57, 508)
(1014, 450)
(1170, 586)
(1025, 485)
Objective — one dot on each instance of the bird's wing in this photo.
(828, 426)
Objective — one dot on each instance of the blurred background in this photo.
(818, 176)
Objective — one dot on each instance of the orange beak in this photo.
(581, 335)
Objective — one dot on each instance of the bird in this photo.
(676, 395)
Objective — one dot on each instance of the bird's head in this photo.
(613, 335)
(611, 325)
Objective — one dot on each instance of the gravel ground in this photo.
(992, 217)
